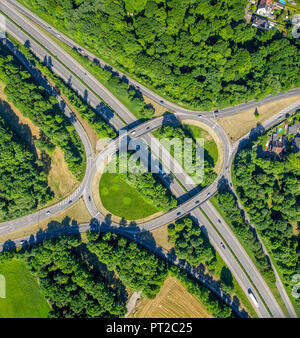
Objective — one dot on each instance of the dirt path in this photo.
(132, 302)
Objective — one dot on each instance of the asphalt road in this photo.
(155, 97)
(130, 119)
(90, 176)
(197, 274)
(40, 215)
(268, 124)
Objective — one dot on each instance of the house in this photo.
(264, 8)
(277, 144)
(260, 23)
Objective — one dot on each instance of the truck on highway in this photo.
(254, 300)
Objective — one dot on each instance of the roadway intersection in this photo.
(66, 67)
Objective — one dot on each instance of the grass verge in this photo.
(76, 214)
(240, 124)
(160, 236)
(271, 284)
(122, 199)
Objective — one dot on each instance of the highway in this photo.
(124, 115)
(154, 96)
(266, 125)
(197, 274)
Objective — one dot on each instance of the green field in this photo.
(23, 296)
(209, 144)
(122, 199)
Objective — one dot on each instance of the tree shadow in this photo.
(21, 130)
(101, 270)
(226, 276)
(9, 245)
(148, 236)
(66, 222)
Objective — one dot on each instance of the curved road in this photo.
(126, 116)
(155, 97)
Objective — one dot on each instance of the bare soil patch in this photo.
(240, 124)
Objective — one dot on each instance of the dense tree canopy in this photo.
(23, 184)
(249, 240)
(190, 243)
(135, 266)
(101, 128)
(197, 52)
(76, 290)
(43, 110)
(270, 192)
(71, 288)
(204, 173)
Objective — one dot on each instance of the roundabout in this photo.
(234, 255)
(183, 209)
(122, 199)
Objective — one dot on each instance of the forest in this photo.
(181, 133)
(141, 270)
(190, 243)
(198, 53)
(128, 94)
(23, 183)
(43, 110)
(100, 127)
(75, 289)
(245, 234)
(270, 192)
(136, 267)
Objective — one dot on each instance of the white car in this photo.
(48, 212)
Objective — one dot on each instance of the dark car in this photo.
(178, 213)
